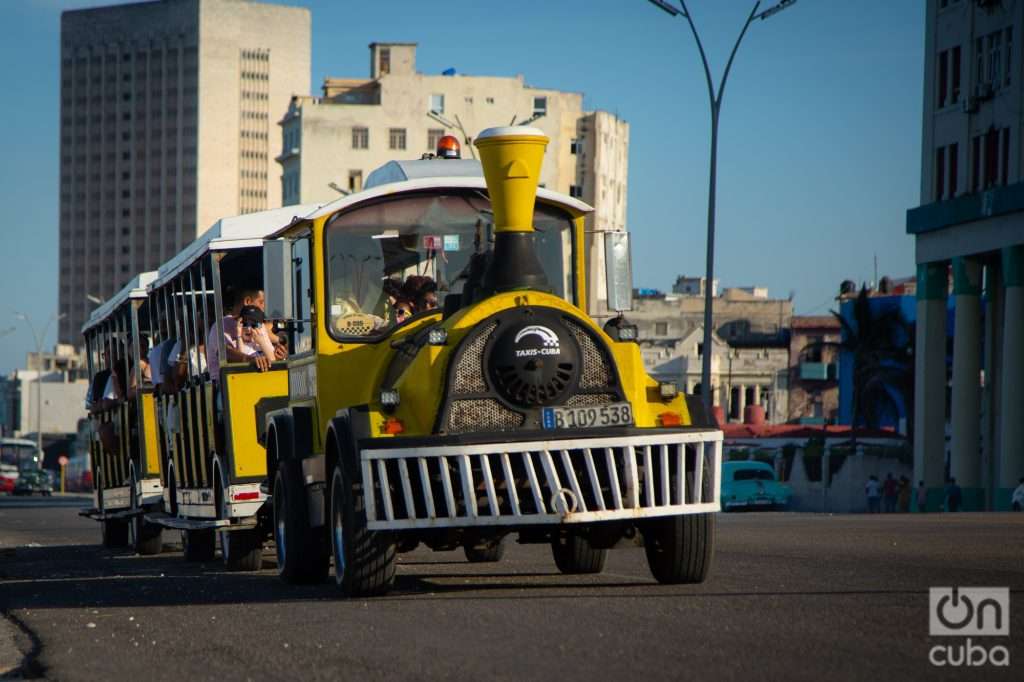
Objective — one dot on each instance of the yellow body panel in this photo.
(148, 437)
(241, 393)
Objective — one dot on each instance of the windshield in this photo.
(753, 475)
(391, 260)
(19, 455)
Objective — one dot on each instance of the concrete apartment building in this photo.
(167, 124)
(750, 357)
(331, 143)
(971, 222)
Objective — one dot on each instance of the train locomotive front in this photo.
(510, 411)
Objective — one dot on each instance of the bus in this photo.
(17, 455)
(445, 386)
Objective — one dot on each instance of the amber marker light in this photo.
(393, 426)
(670, 419)
(448, 147)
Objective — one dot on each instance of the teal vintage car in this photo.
(752, 485)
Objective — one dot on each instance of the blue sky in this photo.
(819, 150)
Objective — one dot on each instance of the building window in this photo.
(540, 106)
(360, 138)
(490, 100)
(434, 136)
(1009, 54)
(1004, 162)
(661, 328)
(995, 62)
(355, 180)
(943, 66)
(437, 103)
(575, 191)
(976, 163)
(954, 69)
(575, 147)
(396, 138)
(940, 172)
(385, 61)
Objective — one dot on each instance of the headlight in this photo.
(438, 336)
(628, 332)
(389, 398)
(668, 390)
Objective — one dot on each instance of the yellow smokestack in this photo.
(512, 157)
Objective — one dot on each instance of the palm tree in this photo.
(881, 345)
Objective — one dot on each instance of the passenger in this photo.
(157, 356)
(256, 298)
(404, 309)
(230, 322)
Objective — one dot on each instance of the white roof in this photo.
(134, 289)
(397, 171)
(237, 232)
(433, 182)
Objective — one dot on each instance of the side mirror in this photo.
(277, 279)
(618, 271)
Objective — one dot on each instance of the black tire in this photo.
(364, 560)
(484, 554)
(301, 555)
(145, 538)
(199, 545)
(240, 550)
(115, 533)
(680, 549)
(574, 555)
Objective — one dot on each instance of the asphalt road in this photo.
(791, 597)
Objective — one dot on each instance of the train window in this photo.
(396, 258)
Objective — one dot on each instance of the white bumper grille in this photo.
(542, 482)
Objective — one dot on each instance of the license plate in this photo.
(762, 501)
(612, 414)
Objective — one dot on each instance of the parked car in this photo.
(31, 482)
(752, 485)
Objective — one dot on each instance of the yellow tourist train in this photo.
(413, 364)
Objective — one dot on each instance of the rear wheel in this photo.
(680, 548)
(145, 538)
(301, 555)
(199, 545)
(574, 555)
(241, 550)
(485, 553)
(364, 560)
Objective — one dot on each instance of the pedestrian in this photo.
(953, 496)
(922, 497)
(1017, 501)
(874, 492)
(903, 496)
(890, 490)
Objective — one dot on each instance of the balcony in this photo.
(817, 371)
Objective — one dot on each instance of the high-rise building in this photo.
(332, 142)
(167, 124)
(970, 223)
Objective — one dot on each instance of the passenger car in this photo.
(30, 482)
(752, 485)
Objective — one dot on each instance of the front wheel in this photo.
(486, 553)
(115, 533)
(301, 555)
(574, 555)
(199, 545)
(364, 560)
(680, 548)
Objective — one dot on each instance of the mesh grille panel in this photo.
(588, 399)
(596, 372)
(469, 375)
(480, 415)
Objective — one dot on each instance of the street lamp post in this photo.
(715, 99)
(39, 340)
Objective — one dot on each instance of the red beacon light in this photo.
(448, 147)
